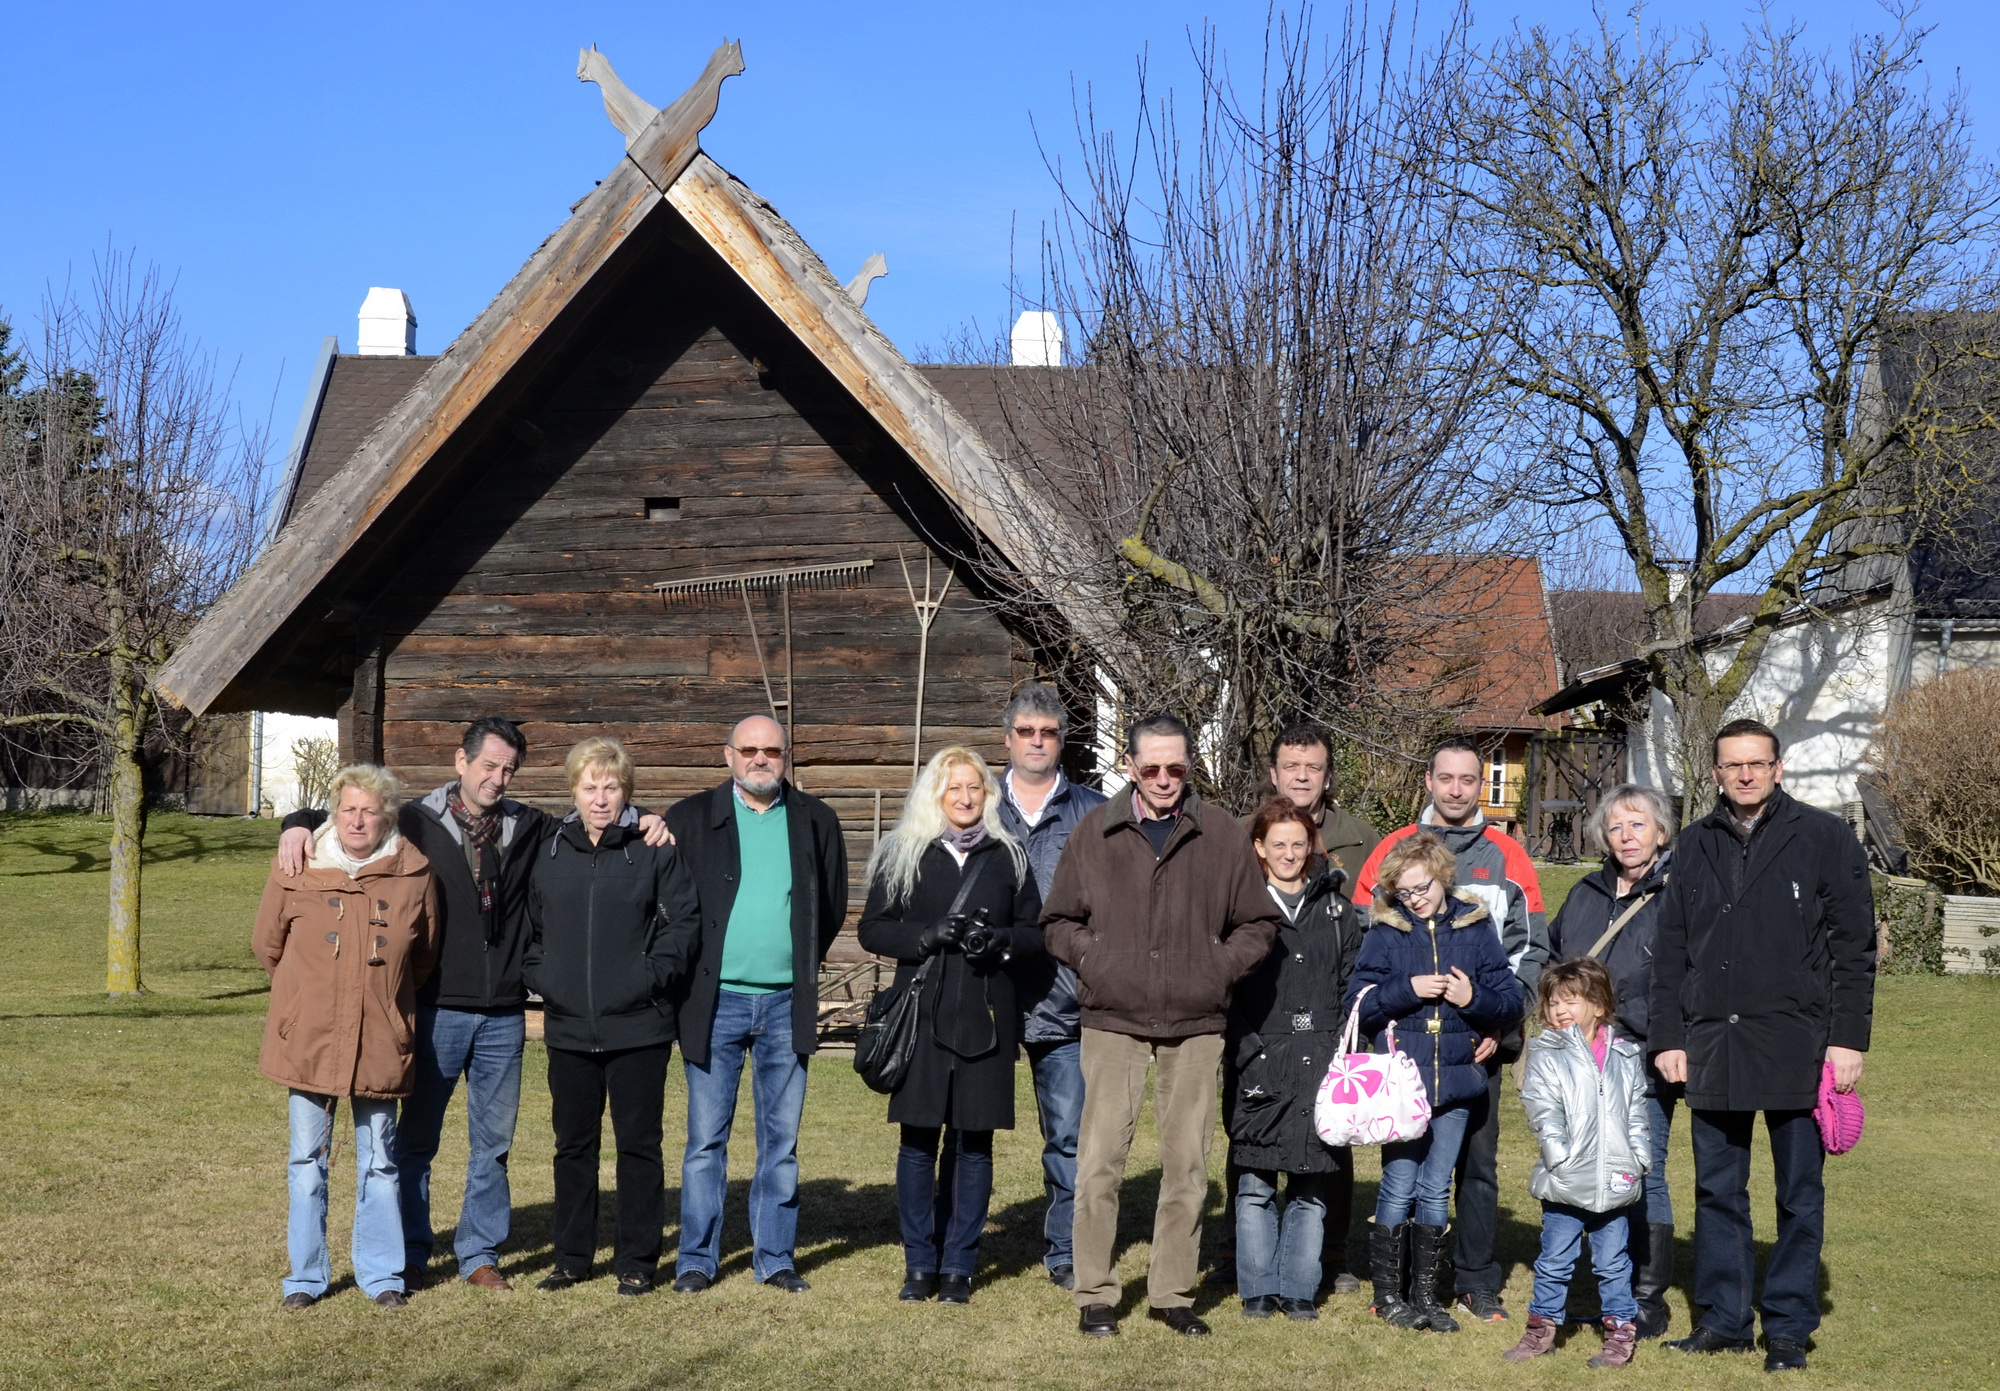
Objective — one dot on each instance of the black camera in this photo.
(978, 939)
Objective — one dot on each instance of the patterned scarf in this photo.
(481, 831)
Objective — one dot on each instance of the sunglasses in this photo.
(1030, 734)
(749, 751)
(1149, 771)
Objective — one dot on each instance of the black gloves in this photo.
(942, 936)
(983, 943)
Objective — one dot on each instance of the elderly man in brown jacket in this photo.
(1158, 907)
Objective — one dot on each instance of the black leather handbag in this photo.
(888, 1038)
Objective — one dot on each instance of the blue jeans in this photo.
(1416, 1174)
(941, 1200)
(486, 1050)
(1058, 1073)
(759, 1026)
(378, 1230)
(1274, 1256)
(1660, 1120)
(1563, 1230)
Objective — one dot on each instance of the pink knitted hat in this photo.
(1839, 1115)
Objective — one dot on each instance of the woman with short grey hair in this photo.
(1611, 915)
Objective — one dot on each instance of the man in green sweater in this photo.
(771, 875)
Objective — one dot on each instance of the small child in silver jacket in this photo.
(1585, 1094)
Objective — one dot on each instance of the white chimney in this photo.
(388, 326)
(1037, 339)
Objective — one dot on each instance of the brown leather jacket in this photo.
(1158, 942)
(346, 956)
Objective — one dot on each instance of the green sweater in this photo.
(757, 942)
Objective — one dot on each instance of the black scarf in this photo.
(481, 831)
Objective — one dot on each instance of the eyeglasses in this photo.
(752, 751)
(1756, 765)
(1031, 735)
(1412, 895)
(1149, 771)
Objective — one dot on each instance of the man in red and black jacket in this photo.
(1496, 869)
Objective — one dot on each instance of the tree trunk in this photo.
(128, 832)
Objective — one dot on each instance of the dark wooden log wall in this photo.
(532, 597)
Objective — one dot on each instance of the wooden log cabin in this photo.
(672, 476)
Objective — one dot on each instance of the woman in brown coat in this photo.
(347, 941)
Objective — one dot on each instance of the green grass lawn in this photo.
(142, 1210)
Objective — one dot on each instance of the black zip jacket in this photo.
(1592, 906)
(612, 928)
(479, 961)
(704, 825)
(1764, 956)
(1284, 1027)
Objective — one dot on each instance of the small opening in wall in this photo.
(662, 509)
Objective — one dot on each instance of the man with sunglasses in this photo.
(1763, 976)
(1040, 808)
(1159, 908)
(1494, 868)
(770, 873)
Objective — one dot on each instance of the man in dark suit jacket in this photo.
(1763, 971)
(770, 872)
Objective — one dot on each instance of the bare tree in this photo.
(1937, 739)
(1267, 445)
(1707, 263)
(127, 504)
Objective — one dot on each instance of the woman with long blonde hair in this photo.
(951, 898)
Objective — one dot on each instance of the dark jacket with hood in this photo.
(1592, 906)
(1158, 941)
(704, 826)
(1764, 956)
(1441, 1038)
(479, 952)
(1284, 1028)
(612, 928)
(1048, 988)
(969, 1017)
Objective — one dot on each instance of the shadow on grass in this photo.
(161, 848)
(149, 1006)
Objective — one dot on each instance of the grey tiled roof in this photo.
(359, 392)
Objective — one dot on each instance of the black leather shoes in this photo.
(691, 1282)
(954, 1289)
(560, 1279)
(635, 1284)
(1181, 1321)
(1784, 1355)
(1260, 1306)
(789, 1281)
(297, 1301)
(1298, 1310)
(396, 1299)
(1063, 1277)
(1097, 1321)
(918, 1285)
(1706, 1339)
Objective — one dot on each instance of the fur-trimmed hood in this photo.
(1462, 907)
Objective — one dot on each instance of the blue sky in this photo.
(276, 160)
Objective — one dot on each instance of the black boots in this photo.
(1652, 1249)
(1430, 1265)
(1389, 1266)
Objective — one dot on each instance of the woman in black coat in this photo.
(1632, 829)
(949, 892)
(613, 925)
(1284, 1028)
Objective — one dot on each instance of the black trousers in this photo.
(634, 1081)
(1478, 1188)
(1725, 1260)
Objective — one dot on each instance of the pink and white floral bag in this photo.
(1370, 1098)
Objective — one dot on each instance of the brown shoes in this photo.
(488, 1277)
(1621, 1338)
(1540, 1338)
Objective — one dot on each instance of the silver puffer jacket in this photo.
(1596, 1145)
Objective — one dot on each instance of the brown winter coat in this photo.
(346, 956)
(1158, 944)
